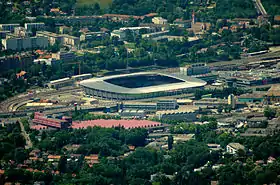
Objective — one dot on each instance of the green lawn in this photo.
(102, 3)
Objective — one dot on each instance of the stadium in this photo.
(140, 85)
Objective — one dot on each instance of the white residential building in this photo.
(36, 26)
(232, 148)
(24, 43)
(159, 20)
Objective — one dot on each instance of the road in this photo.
(26, 136)
(259, 7)
(9, 104)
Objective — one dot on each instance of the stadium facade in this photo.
(140, 85)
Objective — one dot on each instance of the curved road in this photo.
(8, 105)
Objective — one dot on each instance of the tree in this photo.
(170, 142)
(269, 112)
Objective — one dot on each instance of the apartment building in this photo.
(8, 27)
(60, 38)
(64, 56)
(34, 26)
(22, 60)
(24, 43)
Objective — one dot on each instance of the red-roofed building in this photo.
(21, 74)
(92, 159)
(40, 52)
(41, 119)
(151, 15)
(119, 17)
(277, 18)
(127, 124)
(38, 127)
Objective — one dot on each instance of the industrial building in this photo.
(187, 116)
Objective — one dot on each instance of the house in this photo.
(131, 147)
(271, 160)
(183, 23)
(277, 19)
(214, 147)
(92, 159)
(257, 122)
(35, 153)
(21, 74)
(159, 20)
(233, 148)
(52, 158)
(273, 94)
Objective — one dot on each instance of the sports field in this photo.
(102, 3)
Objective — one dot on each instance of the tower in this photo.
(193, 17)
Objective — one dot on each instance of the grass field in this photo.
(102, 3)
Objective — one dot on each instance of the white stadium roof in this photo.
(102, 85)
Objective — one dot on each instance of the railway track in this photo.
(7, 105)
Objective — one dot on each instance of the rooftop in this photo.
(101, 84)
(237, 146)
(274, 90)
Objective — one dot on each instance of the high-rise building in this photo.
(232, 101)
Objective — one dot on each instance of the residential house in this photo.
(159, 20)
(183, 23)
(233, 148)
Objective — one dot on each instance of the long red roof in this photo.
(127, 124)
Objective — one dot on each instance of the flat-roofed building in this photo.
(183, 23)
(132, 113)
(155, 34)
(9, 27)
(52, 37)
(25, 43)
(195, 69)
(57, 38)
(89, 36)
(71, 40)
(60, 83)
(159, 20)
(21, 60)
(34, 26)
(3, 34)
(41, 119)
(64, 56)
